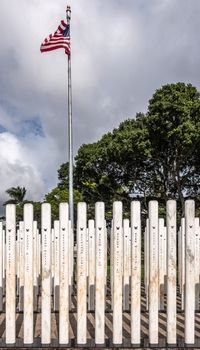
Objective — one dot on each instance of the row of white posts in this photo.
(29, 258)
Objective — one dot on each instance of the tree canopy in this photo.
(154, 155)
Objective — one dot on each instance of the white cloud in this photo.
(17, 169)
(121, 52)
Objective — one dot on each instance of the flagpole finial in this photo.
(68, 12)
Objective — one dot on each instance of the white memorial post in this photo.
(165, 258)
(10, 273)
(147, 262)
(64, 274)
(56, 265)
(17, 261)
(52, 260)
(196, 264)
(71, 265)
(161, 262)
(153, 273)
(111, 264)
(1, 266)
(117, 273)
(189, 272)
(38, 261)
(21, 265)
(136, 273)
(91, 281)
(145, 259)
(35, 264)
(182, 264)
(171, 272)
(100, 278)
(28, 274)
(46, 274)
(81, 275)
(179, 257)
(4, 263)
(126, 262)
(105, 260)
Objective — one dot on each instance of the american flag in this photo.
(60, 39)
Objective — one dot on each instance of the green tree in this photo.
(17, 195)
(154, 155)
(59, 195)
(174, 133)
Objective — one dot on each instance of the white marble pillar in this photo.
(71, 257)
(189, 272)
(21, 265)
(100, 278)
(28, 274)
(179, 258)
(64, 274)
(17, 262)
(161, 261)
(165, 258)
(196, 264)
(46, 274)
(52, 260)
(56, 265)
(4, 263)
(126, 262)
(182, 289)
(35, 264)
(153, 273)
(117, 275)
(147, 262)
(171, 272)
(136, 273)
(1, 266)
(105, 259)
(91, 280)
(87, 254)
(38, 262)
(111, 264)
(81, 274)
(10, 273)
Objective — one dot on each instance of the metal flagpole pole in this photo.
(70, 139)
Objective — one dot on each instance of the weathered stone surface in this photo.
(171, 272)
(136, 273)
(126, 263)
(64, 274)
(10, 273)
(28, 274)
(153, 272)
(117, 272)
(91, 267)
(189, 271)
(100, 274)
(81, 274)
(46, 274)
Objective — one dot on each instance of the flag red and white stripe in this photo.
(59, 40)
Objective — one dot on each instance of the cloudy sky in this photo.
(122, 50)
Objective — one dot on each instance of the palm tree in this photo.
(16, 194)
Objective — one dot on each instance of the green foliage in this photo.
(174, 134)
(153, 156)
(17, 195)
(59, 195)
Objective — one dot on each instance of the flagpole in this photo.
(70, 136)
